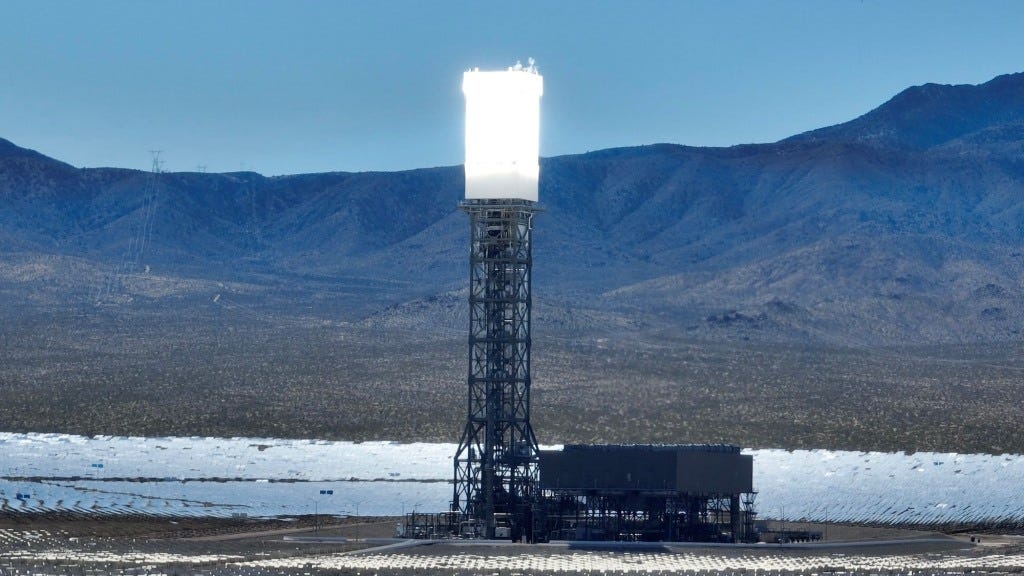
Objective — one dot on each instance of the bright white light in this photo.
(502, 133)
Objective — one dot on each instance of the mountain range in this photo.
(902, 226)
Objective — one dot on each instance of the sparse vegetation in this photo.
(96, 372)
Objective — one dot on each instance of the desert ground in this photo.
(51, 544)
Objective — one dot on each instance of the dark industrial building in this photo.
(648, 492)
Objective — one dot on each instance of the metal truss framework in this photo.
(496, 465)
(648, 516)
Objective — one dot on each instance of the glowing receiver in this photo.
(502, 133)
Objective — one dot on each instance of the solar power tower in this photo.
(496, 465)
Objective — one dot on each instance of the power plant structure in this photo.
(504, 485)
(673, 493)
(496, 465)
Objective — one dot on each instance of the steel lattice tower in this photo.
(496, 462)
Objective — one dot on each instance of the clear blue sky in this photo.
(303, 86)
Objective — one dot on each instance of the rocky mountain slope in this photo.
(901, 226)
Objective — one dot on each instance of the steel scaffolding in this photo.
(496, 465)
(649, 516)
